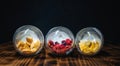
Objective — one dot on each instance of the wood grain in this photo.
(108, 56)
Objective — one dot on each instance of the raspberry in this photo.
(68, 41)
(51, 42)
(57, 46)
(67, 47)
(54, 49)
(62, 46)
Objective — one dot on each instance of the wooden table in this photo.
(108, 56)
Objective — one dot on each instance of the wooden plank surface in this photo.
(108, 56)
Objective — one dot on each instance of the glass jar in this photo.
(60, 41)
(89, 41)
(28, 40)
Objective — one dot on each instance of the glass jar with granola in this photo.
(89, 41)
(28, 40)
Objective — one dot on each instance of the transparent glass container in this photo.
(28, 40)
(59, 41)
(89, 41)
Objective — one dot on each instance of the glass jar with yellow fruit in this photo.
(89, 41)
(28, 40)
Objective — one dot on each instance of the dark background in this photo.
(73, 14)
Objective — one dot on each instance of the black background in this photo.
(73, 14)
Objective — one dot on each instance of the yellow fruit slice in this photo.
(20, 44)
(29, 39)
(89, 47)
(37, 44)
(96, 48)
(29, 46)
(33, 49)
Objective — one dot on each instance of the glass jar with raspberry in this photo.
(60, 41)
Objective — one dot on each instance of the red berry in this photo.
(51, 42)
(68, 41)
(62, 46)
(57, 46)
(68, 47)
(53, 48)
